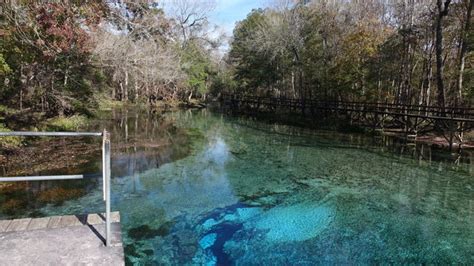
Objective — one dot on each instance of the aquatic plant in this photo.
(58, 195)
(146, 232)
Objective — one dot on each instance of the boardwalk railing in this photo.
(105, 167)
(461, 114)
(411, 120)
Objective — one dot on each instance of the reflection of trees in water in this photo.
(24, 198)
(42, 156)
(48, 156)
(144, 139)
(140, 140)
(423, 152)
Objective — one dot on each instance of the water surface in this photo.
(194, 187)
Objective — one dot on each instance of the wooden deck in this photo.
(60, 240)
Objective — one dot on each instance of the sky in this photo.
(228, 12)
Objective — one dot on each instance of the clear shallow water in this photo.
(207, 189)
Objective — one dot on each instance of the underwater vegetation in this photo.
(58, 195)
(145, 232)
(13, 205)
(247, 193)
(261, 195)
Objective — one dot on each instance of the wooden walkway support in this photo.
(411, 120)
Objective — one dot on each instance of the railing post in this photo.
(106, 182)
(106, 169)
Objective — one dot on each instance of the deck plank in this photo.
(18, 225)
(4, 225)
(38, 223)
(59, 240)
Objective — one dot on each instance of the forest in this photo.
(59, 59)
(411, 52)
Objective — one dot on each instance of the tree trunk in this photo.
(421, 89)
(125, 95)
(21, 99)
(428, 86)
(121, 90)
(405, 83)
(463, 49)
(302, 91)
(136, 89)
(146, 92)
(66, 76)
(429, 78)
(293, 89)
(114, 93)
(442, 12)
(190, 96)
(23, 82)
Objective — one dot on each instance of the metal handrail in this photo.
(105, 166)
(40, 178)
(50, 134)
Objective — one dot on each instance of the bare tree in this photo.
(141, 55)
(191, 17)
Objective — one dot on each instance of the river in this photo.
(197, 187)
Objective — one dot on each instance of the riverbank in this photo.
(25, 120)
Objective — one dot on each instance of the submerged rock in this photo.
(209, 223)
(236, 213)
(295, 223)
(208, 240)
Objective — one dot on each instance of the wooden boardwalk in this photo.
(411, 120)
(60, 240)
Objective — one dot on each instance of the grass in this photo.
(105, 103)
(108, 104)
(62, 123)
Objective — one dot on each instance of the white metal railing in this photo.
(105, 167)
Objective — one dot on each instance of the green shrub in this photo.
(71, 123)
(4, 111)
(9, 142)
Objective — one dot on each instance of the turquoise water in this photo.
(231, 191)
